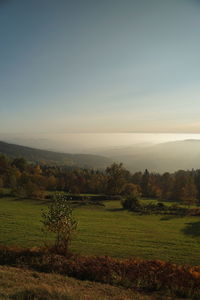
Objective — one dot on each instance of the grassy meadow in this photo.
(107, 230)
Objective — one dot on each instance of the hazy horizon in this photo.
(94, 143)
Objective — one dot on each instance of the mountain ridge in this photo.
(53, 157)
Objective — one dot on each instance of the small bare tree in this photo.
(60, 220)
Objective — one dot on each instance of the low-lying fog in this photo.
(94, 143)
(137, 151)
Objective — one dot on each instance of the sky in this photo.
(91, 66)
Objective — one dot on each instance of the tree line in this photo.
(32, 180)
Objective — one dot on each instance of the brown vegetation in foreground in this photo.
(140, 275)
(23, 284)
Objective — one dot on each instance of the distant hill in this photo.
(51, 157)
(163, 157)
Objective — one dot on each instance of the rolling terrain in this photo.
(163, 157)
(50, 157)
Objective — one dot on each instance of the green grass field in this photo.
(107, 230)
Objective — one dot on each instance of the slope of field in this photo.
(33, 155)
(21, 284)
(107, 231)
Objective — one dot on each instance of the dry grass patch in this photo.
(21, 284)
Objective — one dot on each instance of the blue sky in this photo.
(99, 66)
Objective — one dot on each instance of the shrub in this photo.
(30, 190)
(161, 205)
(59, 220)
(19, 192)
(131, 202)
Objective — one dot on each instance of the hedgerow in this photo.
(141, 275)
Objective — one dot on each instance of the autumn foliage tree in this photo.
(116, 178)
(35, 179)
(189, 192)
(131, 188)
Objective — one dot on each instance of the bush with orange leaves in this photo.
(141, 275)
